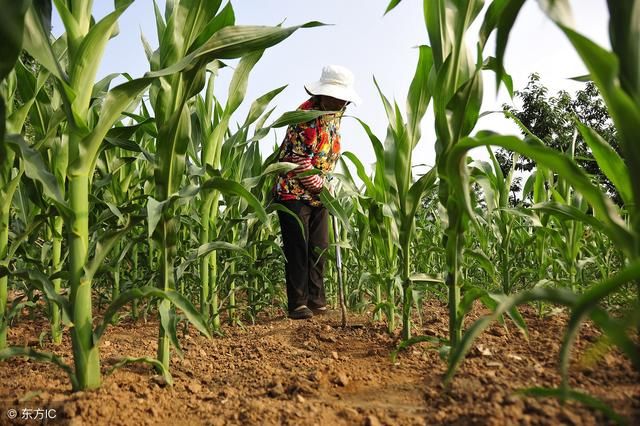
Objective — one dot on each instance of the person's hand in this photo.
(313, 183)
(316, 186)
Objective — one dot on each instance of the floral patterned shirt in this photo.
(314, 144)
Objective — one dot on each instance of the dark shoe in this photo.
(320, 310)
(301, 312)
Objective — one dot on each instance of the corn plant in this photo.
(193, 34)
(85, 42)
(455, 82)
(12, 23)
(403, 196)
(616, 73)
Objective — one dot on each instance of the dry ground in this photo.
(313, 372)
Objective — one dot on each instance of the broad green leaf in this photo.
(225, 18)
(419, 95)
(11, 31)
(230, 187)
(36, 169)
(362, 174)
(146, 360)
(624, 26)
(483, 260)
(260, 105)
(207, 248)
(492, 64)
(551, 159)
(334, 208)
(167, 321)
(296, 117)
(567, 212)
(116, 101)
(44, 284)
(232, 42)
(609, 162)
(491, 19)
(104, 246)
(507, 17)
(559, 296)
(16, 351)
(604, 68)
(147, 291)
(154, 214)
(36, 42)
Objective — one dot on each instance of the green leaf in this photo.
(104, 246)
(154, 214)
(334, 208)
(240, 79)
(296, 117)
(225, 18)
(11, 31)
(392, 5)
(624, 25)
(512, 313)
(146, 360)
(404, 344)
(260, 105)
(36, 42)
(282, 208)
(168, 323)
(230, 187)
(604, 68)
(559, 296)
(148, 291)
(493, 65)
(207, 248)
(507, 14)
(39, 356)
(550, 159)
(362, 174)
(116, 101)
(85, 62)
(483, 260)
(36, 169)
(609, 162)
(567, 212)
(419, 94)
(232, 42)
(44, 284)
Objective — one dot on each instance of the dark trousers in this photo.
(304, 253)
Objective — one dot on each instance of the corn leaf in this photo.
(147, 291)
(16, 351)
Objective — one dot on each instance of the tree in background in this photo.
(552, 119)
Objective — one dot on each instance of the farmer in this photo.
(311, 145)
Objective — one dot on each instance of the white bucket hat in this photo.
(336, 81)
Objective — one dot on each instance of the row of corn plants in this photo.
(108, 162)
(567, 201)
(145, 193)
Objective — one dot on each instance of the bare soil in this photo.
(313, 372)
